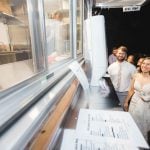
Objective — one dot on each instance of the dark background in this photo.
(131, 29)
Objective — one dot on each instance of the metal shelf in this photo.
(9, 19)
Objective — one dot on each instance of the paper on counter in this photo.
(71, 141)
(78, 71)
(109, 124)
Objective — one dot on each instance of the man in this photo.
(121, 73)
(139, 63)
(131, 59)
(112, 58)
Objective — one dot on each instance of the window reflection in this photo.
(79, 27)
(57, 20)
(16, 63)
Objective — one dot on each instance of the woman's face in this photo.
(145, 66)
(140, 61)
(130, 59)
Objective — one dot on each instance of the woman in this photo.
(131, 59)
(139, 63)
(140, 102)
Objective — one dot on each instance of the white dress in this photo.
(139, 107)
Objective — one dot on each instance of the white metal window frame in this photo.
(24, 95)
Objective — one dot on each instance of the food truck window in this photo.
(57, 21)
(17, 60)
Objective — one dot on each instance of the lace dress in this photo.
(139, 107)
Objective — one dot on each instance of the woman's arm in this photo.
(130, 93)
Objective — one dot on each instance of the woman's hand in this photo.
(126, 106)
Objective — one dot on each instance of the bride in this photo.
(139, 94)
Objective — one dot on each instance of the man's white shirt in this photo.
(127, 71)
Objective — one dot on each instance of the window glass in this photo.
(16, 63)
(79, 27)
(57, 20)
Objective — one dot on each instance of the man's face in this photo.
(121, 55)
(115, 51)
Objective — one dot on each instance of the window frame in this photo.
(24, 95)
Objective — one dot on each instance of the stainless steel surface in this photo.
(25, 128)
(9, 19)
(119, 3)
(20, 101)
(103, 97)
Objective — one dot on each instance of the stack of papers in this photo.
(103, 130)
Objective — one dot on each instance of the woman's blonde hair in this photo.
(146, 58)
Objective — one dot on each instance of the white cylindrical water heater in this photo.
(96, 46)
